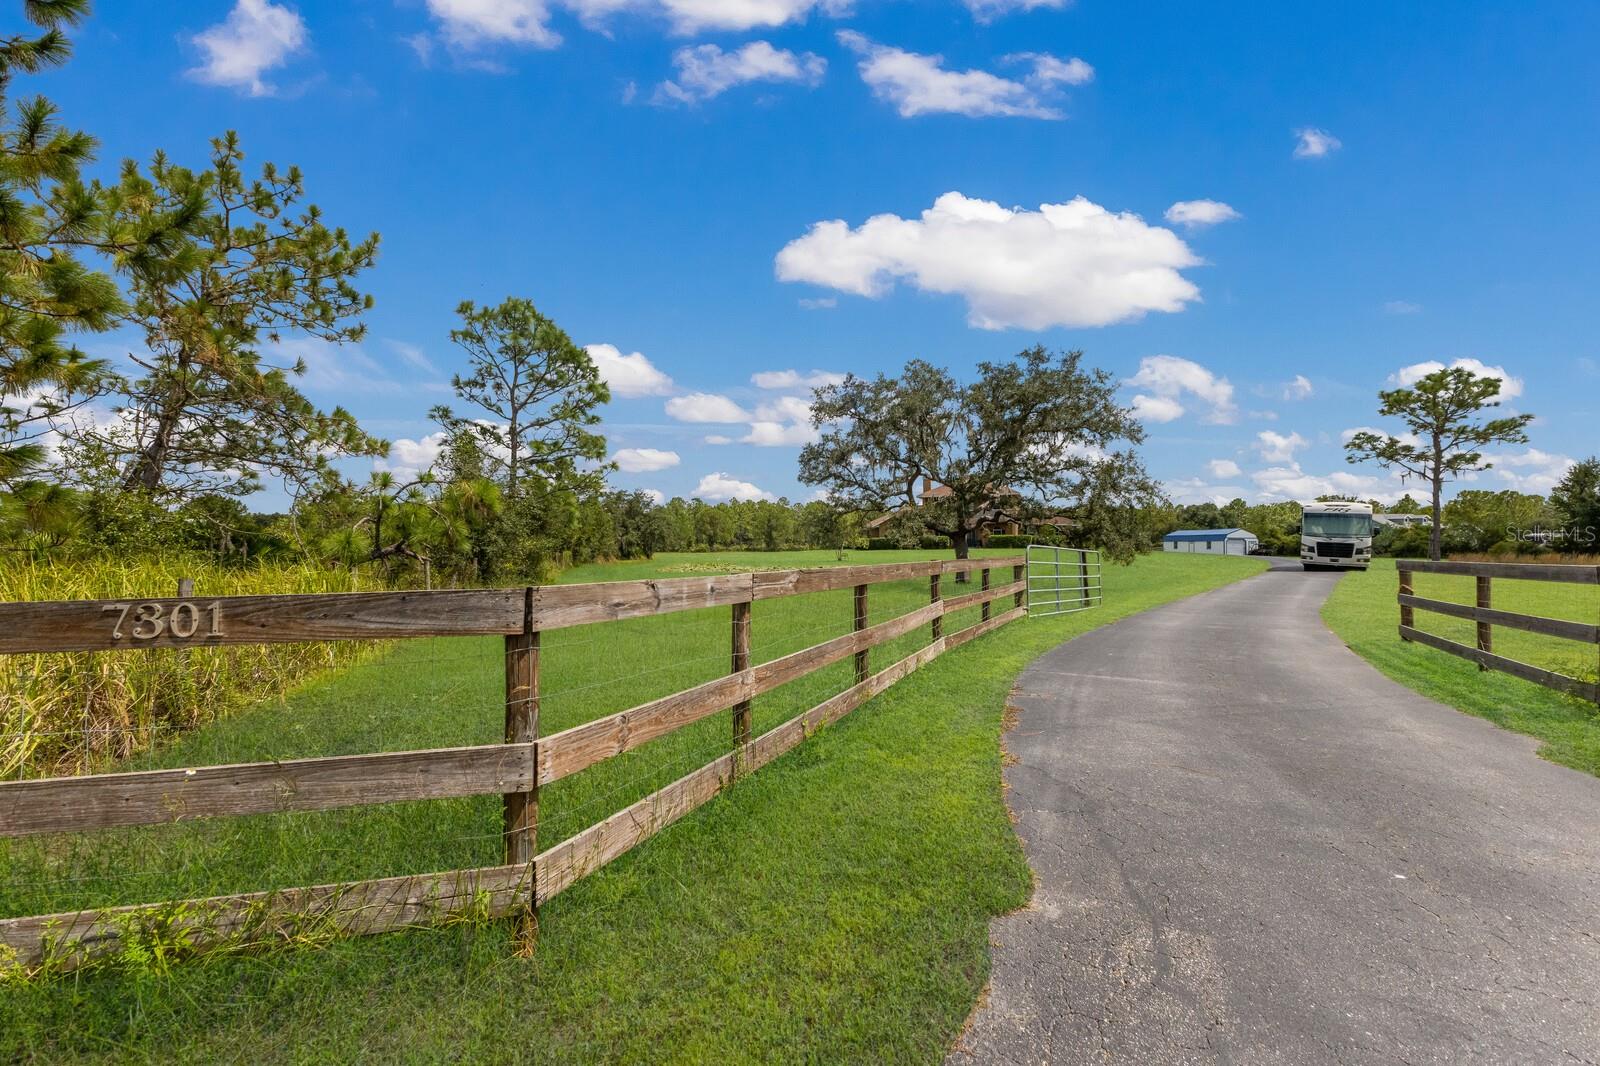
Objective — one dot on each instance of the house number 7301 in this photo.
(148, 621)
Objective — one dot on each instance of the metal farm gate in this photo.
(1062, 580)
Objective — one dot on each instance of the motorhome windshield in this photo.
(1337, 525)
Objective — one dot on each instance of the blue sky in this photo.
(1354, 190)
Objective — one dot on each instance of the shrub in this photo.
(881, 544)
(1011, 540)
(932, 543)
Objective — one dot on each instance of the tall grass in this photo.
(79, 711)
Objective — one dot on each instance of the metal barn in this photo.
(1213, 541)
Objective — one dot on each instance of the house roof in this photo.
(1205, 534)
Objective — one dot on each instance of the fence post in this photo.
(1019, 573)
(522, 727)
(985, 587)
(862, 656)
(741, 663)
(1083, 578)
(1485, 629)
(934, 596)
(1408, 614)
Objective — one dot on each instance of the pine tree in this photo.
(211, 410)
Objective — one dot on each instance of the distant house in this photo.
(1402, 519)
(1214, 541)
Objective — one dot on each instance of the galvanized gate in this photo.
(1062, 580)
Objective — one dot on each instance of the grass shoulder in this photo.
(1363, 613)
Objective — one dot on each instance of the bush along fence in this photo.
(1487, 617)
(515, 769)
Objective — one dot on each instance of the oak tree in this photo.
(1037, 433)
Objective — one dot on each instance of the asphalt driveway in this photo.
(1251, 847)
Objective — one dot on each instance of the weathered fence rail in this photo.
(1486, 616)
(514, 769)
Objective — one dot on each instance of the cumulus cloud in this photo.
(782, 423)
(408, 458)
(1197, 214)
(1223, 468)
(1531, 471)
(629, 376)
(707, 71)
(1312, 143)
(1510, 387)
(1071, 264)
(657, 497)
(469, 24)
(256, 36)
(1290, 482)
(1166, 379)
(1157, 409)
(793, 379)
(645, 460)
(706, 407)
(919, 84)
(718, 438)
(1278, 447)
(718, 487)
(988, 10)
(1298, 389)
(1197, 490)
(1346, 436)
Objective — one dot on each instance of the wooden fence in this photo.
(514, 770)
(1487, 617)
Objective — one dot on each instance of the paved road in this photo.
(1251, 847)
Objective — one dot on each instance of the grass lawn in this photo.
(833, 907)
(1362, 611)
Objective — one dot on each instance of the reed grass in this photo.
(81, 711)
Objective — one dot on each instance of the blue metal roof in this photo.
(1205, 534)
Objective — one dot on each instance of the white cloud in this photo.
(707, 71)
(1312, 143)
(1298, 389)
(987, 10)
(256, 36)
(715, 488)
(1223, 468)
(1346, 436)
(471, 23)
(1156, 408)
(919, 85)
(1531, 471)
(408, 458)
(657, 497)
(1069, 264)
(628, 376)
(1292, 483)
(645, 460)
(706, 407)
(1401, 307)
(1050, 71)
(1278, 448)
(412, 356)
(1197, 214)
(782, 423)
(793, 379)
(820, 303)
(1510, 387)
(1167, 378)
(718, 438)
(1195, 490)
